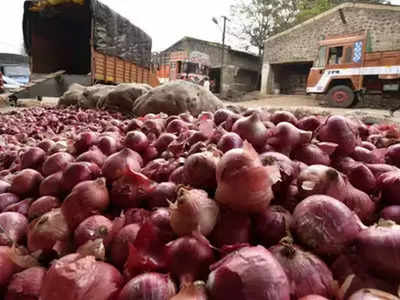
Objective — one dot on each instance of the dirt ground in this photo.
(285, 102)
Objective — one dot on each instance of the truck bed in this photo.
(382, 58)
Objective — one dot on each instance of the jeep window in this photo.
(335, 55)
(321, 60)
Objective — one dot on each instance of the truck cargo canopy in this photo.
(59, 37)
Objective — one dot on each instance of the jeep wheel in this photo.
(341, 96)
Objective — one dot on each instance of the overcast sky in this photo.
(165, 21)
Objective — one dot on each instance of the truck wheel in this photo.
(341, 96)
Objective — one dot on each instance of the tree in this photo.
(252, 21)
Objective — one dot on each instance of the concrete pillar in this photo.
(266, 78)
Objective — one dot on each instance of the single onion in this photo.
(21, 207)
(389, 185)
(229, 141)
(119, 246)
(26, 182)
(251, 273)
(26, 284)
(325, 224)
(392, 156)
(192, 211)
(161, 217)
(161, 194)
(74, 277)
(46, 145)
(198, 254)
(371, 294)
(367, 156)
(134, 124)
(32, 158)
(148, 286)
(85, 141)
(177, 126)
(7, 199)
(129, 190)
(363, 179)
(86, 199)
(56, 162)
(378, 247)
(117, 164)
(305, 271)
(43, 205)
(232, 228)
(154, 126)
(48, 230)
(221, 115)
(108, 145)
(313, 297)
(52, 185)
(200, 169)
(177, 176)
(271, 225)
(311, 155)
(94, 227)
(4, 186)
(160, 169)
(93, 155)
(136, 216)
(243, 168)
(77, 172)
(251, 129)
(283, 116)
(309, 123)
(136, 141)
(13, 228)
(163, 141)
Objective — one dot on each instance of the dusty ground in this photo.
(292, 103)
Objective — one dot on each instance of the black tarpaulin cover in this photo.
(113, 34)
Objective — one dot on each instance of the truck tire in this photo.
(341, 96)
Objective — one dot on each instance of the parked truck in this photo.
(193, 66)
(347, 70)
(82, 41)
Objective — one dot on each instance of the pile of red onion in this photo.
(252, 206)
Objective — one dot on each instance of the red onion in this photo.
(231, 228)
(288, 169)
(86, 199)
(363, 179)
(52, 185)
(149, 154)
(285, 137)
(371, 294)
(378, 169)
(364, 155)
(251, 129)
(129, 190)
(154, 126)
(177, 176)
(136, 216)
(134, 124)
(94, 227)
(378, 247)
(56, 162)
(119, 163)
(119, 246)
(313, 297)
(26, 182)
(21, 207)
(250, 273)
(306, 272)
(200, 169)
(74, 277)
(153, 286)
(391, 213)
(198, 254)
(4, 186)
(7, 266)
(136, 141)
(43, 205)
(163, 141)
(392, 156)
(85, 141)
(319, 179)
(160, 169)
(195, 291)
(93, 155)
(7, 199)
(389, 184)
(161, 217)
(242, 167)
(32, 158)
(338, 129)
(309, 123)
(325, 224)
(229, 141)
(216, 135)
(13, 228)
(196, 148)
(48, 230)
(161, 194)
(192, 211)
(283, 116)
(108, 145)
(221, 115)
(311, 155)
(46, 145)
(177, 126)
(271, 225)
(26, 284)
(77, 172)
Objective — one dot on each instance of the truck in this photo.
(346, 70)
(82, 41)
(193, 66)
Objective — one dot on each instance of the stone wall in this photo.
(301, 43)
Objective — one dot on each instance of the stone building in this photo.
(240, 69)
(289, 55)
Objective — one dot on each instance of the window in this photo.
(335, 55)
(348, 55)
(321, 60)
